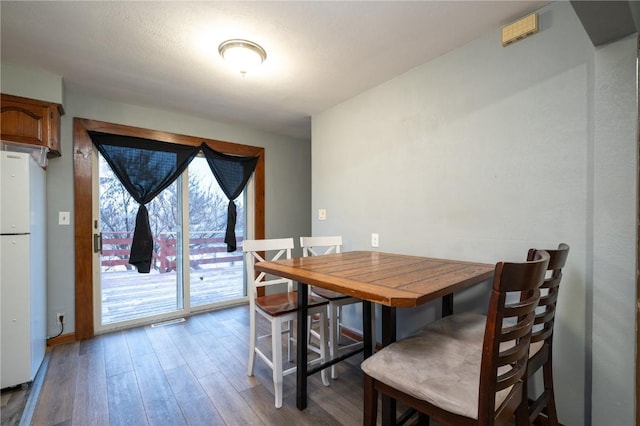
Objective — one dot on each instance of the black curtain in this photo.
(145, 167)
(232, 173)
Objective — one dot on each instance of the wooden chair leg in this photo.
(522, 412)
(324, 351)
(252, 342)
(547, 372)
(370, 410)
(276, 359)
(290, 340)
(373, 328)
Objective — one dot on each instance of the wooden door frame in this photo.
(83, 198)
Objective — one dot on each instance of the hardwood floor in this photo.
(13, 403)
(187, 373)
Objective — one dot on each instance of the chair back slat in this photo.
(550, 298)
(318, 246)
(513, 341)
(512, 376)
(544, 316)
(553, 281)
(260, 251)
(508, 329)
(513, 331)
(267, 245)
(522, 307)
(542, 334)
(558, 257)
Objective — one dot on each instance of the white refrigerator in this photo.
(23, 265)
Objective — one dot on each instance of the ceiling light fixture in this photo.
(242, 55)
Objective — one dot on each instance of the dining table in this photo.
(388, 279)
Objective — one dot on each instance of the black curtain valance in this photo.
(146, 167)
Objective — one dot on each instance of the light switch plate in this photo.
(64, 218)
(322, 214)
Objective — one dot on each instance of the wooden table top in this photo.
(389, 279)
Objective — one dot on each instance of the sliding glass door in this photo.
(215, 276)
(190, 269)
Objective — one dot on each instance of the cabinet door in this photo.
(30, 121)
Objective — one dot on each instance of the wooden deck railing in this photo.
(203, 250)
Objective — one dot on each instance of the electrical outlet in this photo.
(375, 240)
(60, 317)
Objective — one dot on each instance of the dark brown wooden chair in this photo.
(541, 349)
(465, 369)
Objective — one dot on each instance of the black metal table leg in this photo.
(301, 347)
(447, 305)
(388, 325)
(367, 331)
(388, 337)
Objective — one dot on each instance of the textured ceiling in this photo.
(164, 54)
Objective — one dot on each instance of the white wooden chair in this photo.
(316, 246)
(278, 309)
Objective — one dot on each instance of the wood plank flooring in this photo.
(13, 402)
(187, 373)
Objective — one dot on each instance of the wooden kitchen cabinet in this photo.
(30, 121)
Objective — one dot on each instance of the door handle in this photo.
(97, 243)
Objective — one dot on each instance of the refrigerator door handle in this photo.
(97, 243)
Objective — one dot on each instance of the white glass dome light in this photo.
(242, 55)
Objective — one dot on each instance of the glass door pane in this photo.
(215, 276)
(126, 294)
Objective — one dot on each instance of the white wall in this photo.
(615, 206)
(488, 151)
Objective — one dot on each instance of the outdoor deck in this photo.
(129, 295)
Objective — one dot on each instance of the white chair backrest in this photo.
(316, 246)
(273, 249)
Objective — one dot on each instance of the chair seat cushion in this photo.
(284, 303)
(440, 364)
